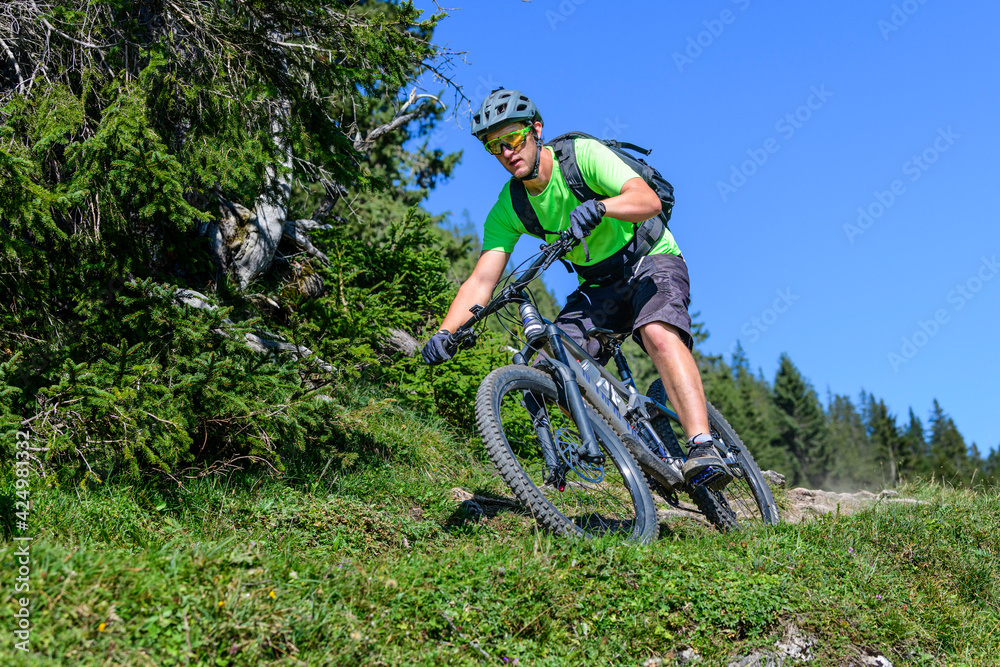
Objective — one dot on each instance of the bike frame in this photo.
(563, 360)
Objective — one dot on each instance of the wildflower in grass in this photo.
(878, 596)
(850, 550)
(222, 603)
(100, 628)
(272, 595)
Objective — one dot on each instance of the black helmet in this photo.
(503, 106)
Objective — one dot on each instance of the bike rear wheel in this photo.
(532, 440)
(747, 500)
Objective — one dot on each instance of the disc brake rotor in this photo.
(568, 444)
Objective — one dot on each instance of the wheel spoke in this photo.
(539, 437)
(746, 501)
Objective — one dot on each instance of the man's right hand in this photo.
(438, 349)
(583, 219)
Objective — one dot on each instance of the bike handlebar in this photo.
(550, 253)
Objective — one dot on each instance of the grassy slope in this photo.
(376, 564)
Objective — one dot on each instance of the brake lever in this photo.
(462, 339)
(557, 249)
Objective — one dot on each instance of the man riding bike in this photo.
(621, 288)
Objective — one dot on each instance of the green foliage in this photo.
(178, 388)
(371, 563)
(112, 160)
(854, 464)
(450, 389)
(801, 424)
(948, 452)
(371, 289)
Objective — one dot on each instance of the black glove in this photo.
(583, 219)
(438, 349)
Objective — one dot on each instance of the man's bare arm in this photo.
(637, 202)
(477, 289)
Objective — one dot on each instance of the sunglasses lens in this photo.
(515, 139)
(512, 140)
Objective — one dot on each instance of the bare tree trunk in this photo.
(244, 242)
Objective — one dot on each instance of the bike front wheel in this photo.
(747, 500)
(532, 440)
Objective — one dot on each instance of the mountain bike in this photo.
(581, 448)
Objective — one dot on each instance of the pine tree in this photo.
(801, 424)
(755, 411)
(977, 464)
(948, 453)
(991, 467)
(915, 452)
(852, 465)
(885, 439)
(131, 131)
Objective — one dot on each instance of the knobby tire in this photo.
(619, 504)
(745, 501)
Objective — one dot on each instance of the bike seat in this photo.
(604, 336)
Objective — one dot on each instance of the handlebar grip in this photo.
(462, 339)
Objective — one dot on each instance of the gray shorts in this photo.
(658, 291)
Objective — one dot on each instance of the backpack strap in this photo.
(564, 147)
(524, 212)
(565, 154)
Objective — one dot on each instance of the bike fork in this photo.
(540, 420)
(590, 451)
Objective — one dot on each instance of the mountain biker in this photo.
(647, 295)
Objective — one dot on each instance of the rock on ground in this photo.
(804, 504)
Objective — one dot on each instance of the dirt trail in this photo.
(800, 504)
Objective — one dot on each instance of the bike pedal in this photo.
(713, 477)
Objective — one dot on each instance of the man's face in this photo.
(518, 162)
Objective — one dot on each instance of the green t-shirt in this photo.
(605, 173)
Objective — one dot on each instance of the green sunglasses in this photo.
(512, 140)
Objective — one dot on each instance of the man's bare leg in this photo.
(682, 382)
(679, 373)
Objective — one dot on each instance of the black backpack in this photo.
(565, 152)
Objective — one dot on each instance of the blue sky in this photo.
(835, 169)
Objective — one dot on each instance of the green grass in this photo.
(376, 563)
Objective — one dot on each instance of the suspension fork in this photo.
(540, 420)
(590, 451)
